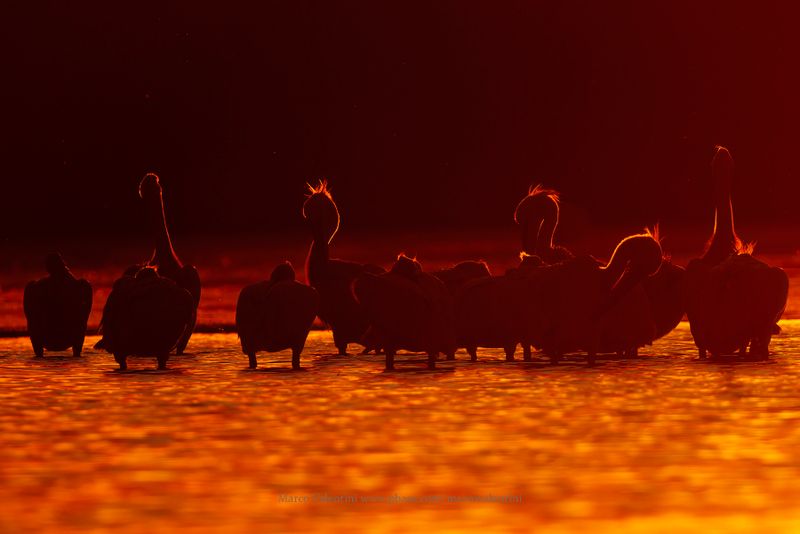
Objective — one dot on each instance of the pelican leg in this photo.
(510, 353)
(296, 358)
(473, 353)
(389, 359)
(185, 339)
(591, 356)
(253, 361)
(341, 346)
(760, 347)
(632, 352)
(451, 355)
(526, 352)
(77, 347)
(162, 361)
(432, 355)
(122, 360)
(38, 348)
(554, 358)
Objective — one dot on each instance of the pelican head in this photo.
(722, 164)
(146, 273)
(638, 255)
(149, 187)
(320, 211)
(283, 273)
(472, 269)
(405, 266)
(537, 216)
(54, 264)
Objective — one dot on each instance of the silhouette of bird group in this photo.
(553, 300)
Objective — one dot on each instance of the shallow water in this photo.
(662, 443)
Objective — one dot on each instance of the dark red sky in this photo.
(419, 113)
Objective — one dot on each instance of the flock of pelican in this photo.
(554, 301)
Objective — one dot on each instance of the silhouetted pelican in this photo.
(732, 299)
(276, 315)
(457, 277)
(665, 307)
(333, 278)
(145, 315)
(665, 292)
(492, 311)
(57, 308)
(537, 216)
(164, 258)
(408, 309)
(583, 305)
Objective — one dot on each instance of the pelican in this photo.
(537, 215)
(408, 309)
(491, 311)
(146, 314)
(164, 259)
(57, 308)
(732, 299)
(459, 276)
(333, 278)
(583, 305)
(276, 314)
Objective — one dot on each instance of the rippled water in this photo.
(661, 443)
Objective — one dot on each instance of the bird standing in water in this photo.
(333, 278)
(164, 258)
(732, 299)
(276, 314)
(57, 309)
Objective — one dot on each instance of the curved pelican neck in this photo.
(530, 232)
(547, 232)
(318, 254)
(163, 255)
(724, 240)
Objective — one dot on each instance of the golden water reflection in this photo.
(661, 443)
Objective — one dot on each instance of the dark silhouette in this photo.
(665, 292)
(408, 309)
(145, 314)
(164, 259)
(493, 311)
(57, 308)
(583, 305)
(732, 299)
(537, 215)
(457, 277)
(659, 299)
(333, 278)
(276, 314)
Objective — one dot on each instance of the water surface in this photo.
(654, 444)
